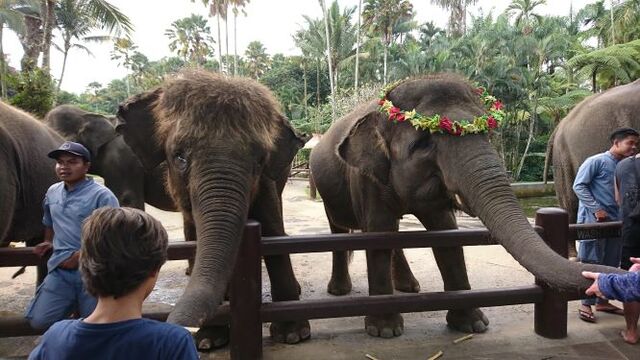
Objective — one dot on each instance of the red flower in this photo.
(492, 123)
(446, 124)
(381, 102)
(497, 105)
(480, 90)
(400, 117)
(457, 131)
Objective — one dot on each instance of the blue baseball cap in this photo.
(72, 148)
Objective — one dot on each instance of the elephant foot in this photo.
(467, 320)
(339, 287)
(407, 284)
(209, 338)
(384, 326)
(290, 332)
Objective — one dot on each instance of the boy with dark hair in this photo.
(594, 187)
(122, 252)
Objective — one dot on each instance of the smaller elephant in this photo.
(25, 175)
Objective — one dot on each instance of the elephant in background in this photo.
(585, 132)
(25, 175)
(370, 171)
(112, 158)
(228, 151)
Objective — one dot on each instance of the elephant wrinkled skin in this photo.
(228, 151)
(25, 175)
(370, 171)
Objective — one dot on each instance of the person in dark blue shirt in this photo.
(594, 187)
(622, 287)
(66, 204)
(122, 252)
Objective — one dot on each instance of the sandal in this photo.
(587, 316)
(611, 310)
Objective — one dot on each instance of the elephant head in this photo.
(219, 136)
(426, 171)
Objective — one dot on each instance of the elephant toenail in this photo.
(386, 333)
(204, 344)
(293, 338)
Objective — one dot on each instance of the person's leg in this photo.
(53, 301)
(631, 315)
(589, 252)
(85, 302)
(612, 248)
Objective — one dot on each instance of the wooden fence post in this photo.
(551, 314)
(246, 297)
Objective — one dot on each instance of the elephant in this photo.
(593, 119)
(370, 171)
(228, 150)
(25, 175)
(112, 158)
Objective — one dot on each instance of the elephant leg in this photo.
(452, 267)
(380, 280)
(189, 228)
(284, 286)
(340, 283)
(403, 279)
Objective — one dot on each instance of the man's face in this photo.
(71, 168)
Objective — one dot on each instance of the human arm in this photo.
(623, 287)
(582, 188)
(46, 245)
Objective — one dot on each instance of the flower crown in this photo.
(442, 124)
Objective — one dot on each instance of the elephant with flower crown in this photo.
(377, 164)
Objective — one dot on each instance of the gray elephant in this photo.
(112, 158)
(370, 171)
(585, 132)
(228, 151)
(25, 175)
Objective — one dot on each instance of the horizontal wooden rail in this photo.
(595, 230)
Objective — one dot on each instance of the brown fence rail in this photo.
(246, 313)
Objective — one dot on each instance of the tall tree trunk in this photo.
(226, 33)
(221, 68)
(593, 81)
(3, 65)
(305, 93)
(31, 43)
(384, 66)
(328, 43)
(235, 41)
(355, 85)
(67, 46)
(48, 24)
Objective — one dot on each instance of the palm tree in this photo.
(238, 6)
(525, 14)
(11, 16)
(380, 16)
(457, 15)
(357, 72)
(327, 38)
(77, 18)
(191, 39)
(257, 59)
(595, 17)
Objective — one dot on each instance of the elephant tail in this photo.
(547, 155)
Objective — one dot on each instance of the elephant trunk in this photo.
(480, 178)
(220, 203)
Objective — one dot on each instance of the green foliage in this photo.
(34, 91)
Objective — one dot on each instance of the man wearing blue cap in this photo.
(66, 205)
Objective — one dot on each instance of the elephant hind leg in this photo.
(340, 283)
(403, 279)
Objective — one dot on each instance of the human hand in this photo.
(593, 289)
(43, 248)
(601, 215)
(72, 262)
(636, 264)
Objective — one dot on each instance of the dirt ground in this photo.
(510, 334)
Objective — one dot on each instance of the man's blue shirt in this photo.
(130, 339)
(594, 187)
(64, 211)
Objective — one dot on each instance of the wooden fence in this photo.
(245, 313)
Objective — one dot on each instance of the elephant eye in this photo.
(181, 161)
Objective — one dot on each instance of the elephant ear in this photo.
(285, 149)
(365, 149)
(95, 131)
(136, 122)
